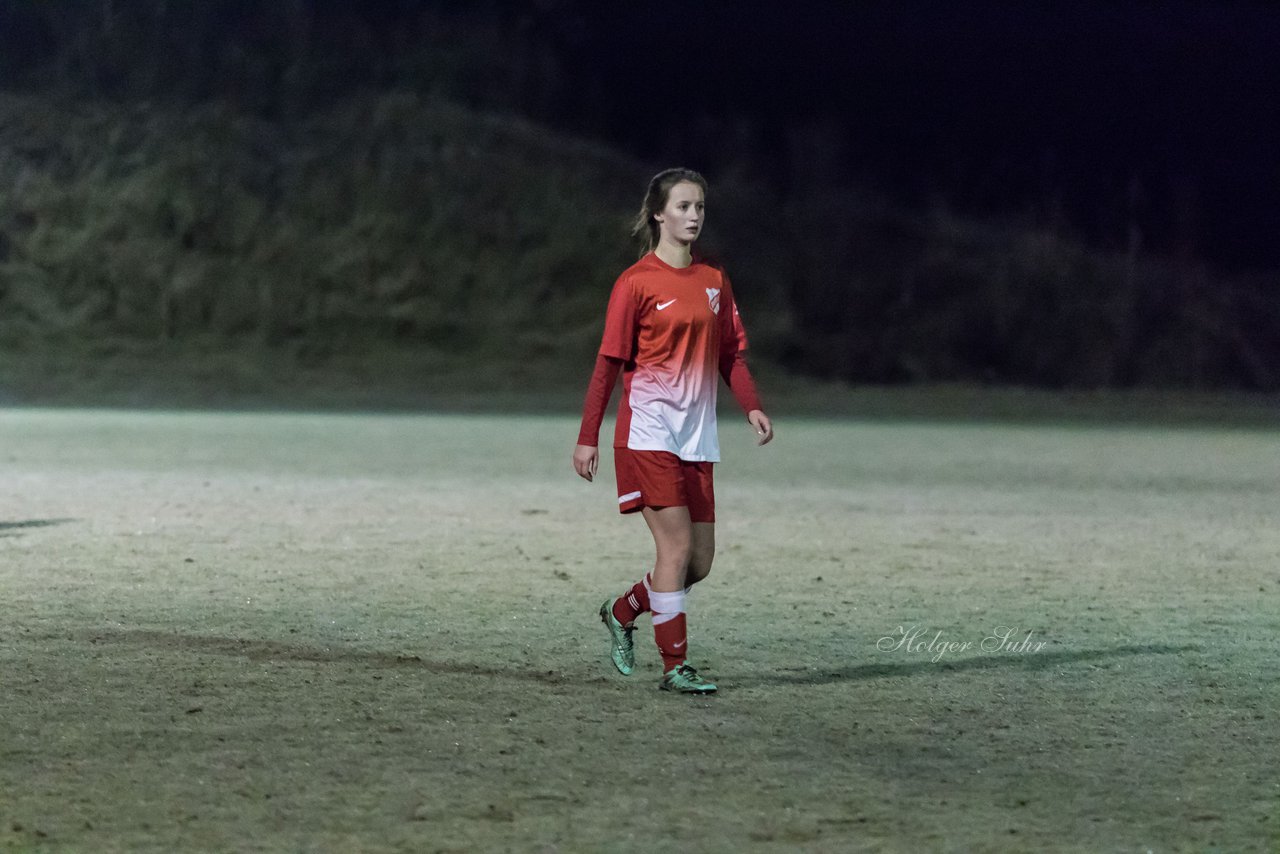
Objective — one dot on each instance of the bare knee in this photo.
(675, 553)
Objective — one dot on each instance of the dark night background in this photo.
(1066, 195)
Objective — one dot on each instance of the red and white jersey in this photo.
(671, 326)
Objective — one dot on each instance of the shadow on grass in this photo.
(13, 529)
(992, 661)
(265, 650)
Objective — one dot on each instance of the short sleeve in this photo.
(733, 336)
(619, 341)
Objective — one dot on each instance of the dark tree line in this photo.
(277, 170)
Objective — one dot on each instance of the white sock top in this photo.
(666, 606)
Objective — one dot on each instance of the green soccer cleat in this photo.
(621, 650)
(686, 680)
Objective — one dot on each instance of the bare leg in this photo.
(673, 537)
(701, 553)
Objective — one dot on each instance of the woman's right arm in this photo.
(586, 456)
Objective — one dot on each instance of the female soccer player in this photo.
(670, 327)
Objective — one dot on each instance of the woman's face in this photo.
(681, 220)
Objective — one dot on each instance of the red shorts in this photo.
(661, 479)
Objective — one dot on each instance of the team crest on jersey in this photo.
(713, 297)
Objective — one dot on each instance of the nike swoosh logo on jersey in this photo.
(663, 305)
(678, 645)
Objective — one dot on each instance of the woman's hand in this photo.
(762, 425)
(586, 459)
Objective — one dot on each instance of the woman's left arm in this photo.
(738, 377)
(733, 366)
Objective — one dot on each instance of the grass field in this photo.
(293, 632)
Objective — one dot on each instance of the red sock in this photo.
(673, 642)
(633, 603)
